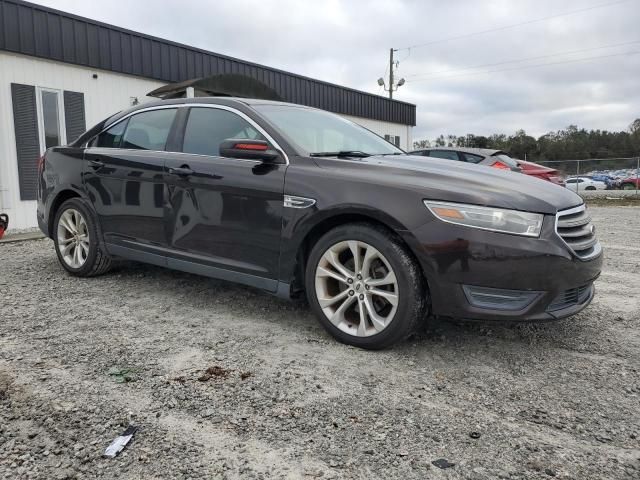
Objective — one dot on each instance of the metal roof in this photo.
(31, 29)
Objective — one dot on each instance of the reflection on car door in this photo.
(223, 214)
(124, 178)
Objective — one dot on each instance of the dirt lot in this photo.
(82, 359)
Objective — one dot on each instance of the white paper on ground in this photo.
(120, 442)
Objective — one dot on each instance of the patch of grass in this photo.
(122, 374)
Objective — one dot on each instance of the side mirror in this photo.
(250, 149)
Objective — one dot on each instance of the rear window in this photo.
(446, 154)
(112, 137)
(149, 130)
(471, 158)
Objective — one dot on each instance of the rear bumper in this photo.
(454, 258)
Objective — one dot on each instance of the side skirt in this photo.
(270, 285)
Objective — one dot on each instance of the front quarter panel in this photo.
(346, 190)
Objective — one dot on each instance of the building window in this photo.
(50, 118)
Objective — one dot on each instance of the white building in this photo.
(60, 74)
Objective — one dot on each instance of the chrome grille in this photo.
(571, 297)
(575, 229)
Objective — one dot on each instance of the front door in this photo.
(223, 214)
(125, 178)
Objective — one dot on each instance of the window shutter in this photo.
(74, 120)
(397, 142)
(25, 120)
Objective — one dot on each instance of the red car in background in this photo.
(545, 173)
(492, 158)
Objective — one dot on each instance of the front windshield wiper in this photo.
(341, 153)
(383, 154)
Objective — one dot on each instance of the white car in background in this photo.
(584, 183)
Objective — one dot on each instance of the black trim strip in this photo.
(268, 284)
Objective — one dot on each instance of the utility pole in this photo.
(392, 87)
(391, 73)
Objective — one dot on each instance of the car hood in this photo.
(451, 181)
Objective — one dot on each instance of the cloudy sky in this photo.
(540, 75)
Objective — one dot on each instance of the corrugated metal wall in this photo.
(39, 31)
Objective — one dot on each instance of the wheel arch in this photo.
(336, 219)
(61, 197)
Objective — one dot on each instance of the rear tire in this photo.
(77, 240)
(628, 186)
(364, 286)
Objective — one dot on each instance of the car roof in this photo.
(485, 152)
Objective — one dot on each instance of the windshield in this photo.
(317, 131)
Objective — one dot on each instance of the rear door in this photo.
(223, 214)
(125, 178)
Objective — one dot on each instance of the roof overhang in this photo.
(224, 85)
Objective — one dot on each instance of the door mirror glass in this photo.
(249, 149)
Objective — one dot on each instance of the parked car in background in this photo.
(584, 183)
(481, 156)
(630, 183)
(295, 200)
(540, 171)
(607, 179)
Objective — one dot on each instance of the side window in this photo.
(149, 130)
(570, 180)
(471, 158)
(446, 154)
(111, 138)
(207, 128)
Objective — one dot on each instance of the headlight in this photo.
(488, 218)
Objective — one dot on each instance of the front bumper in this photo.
(453, 257)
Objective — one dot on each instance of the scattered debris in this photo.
(122, 375)
(245, 375)
(120, 442)
(474, 435)
(214, 372)
(443, 463)
(180, 379)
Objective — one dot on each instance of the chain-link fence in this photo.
(596, 175)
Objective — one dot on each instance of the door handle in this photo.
(96, 164)
(183, 171)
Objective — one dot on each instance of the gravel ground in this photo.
(80, 359)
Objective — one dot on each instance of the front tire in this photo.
(77, 241)
(364, 286)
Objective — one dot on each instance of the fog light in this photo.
(498, 298)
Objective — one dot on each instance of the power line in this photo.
(539, 57)
(506, 27)
(528, 66)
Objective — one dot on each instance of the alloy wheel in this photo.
(356, 288)
(73, 238)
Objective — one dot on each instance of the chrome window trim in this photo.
(242, 115)
(597, 248)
